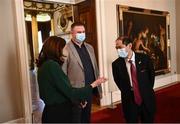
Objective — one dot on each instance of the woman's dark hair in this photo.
(52, 49)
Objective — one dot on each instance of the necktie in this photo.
(137, 96)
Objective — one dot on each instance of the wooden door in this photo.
(85, 13)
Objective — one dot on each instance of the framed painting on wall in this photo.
(149, 30)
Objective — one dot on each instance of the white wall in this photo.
(107, 33)
(178, 36)
(10, 90)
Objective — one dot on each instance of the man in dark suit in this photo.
(137, 94)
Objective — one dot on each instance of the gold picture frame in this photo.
(149, 30)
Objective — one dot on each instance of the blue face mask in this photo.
(122, 53)
(80, 37)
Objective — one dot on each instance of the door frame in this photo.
(22, 48)
(23, 61)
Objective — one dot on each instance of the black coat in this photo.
(145, 74)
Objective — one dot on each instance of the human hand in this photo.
(99, 81)
(83, 104)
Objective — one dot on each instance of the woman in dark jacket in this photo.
(54, 86)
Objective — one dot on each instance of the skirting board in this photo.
(28, 119)
(178, 77)
(20, 120)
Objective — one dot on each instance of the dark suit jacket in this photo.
(145, 74)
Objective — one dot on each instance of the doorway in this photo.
(38, 28)
(44, 19)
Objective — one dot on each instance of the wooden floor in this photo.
(96, 107)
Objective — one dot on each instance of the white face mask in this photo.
(80, 37)
(122, 53)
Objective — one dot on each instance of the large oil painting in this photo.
(149, 30)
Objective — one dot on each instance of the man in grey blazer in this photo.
(81, 67)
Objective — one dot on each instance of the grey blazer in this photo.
(73, 67)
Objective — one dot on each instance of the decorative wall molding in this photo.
(23, 60)
(61, 1)
(42, 6)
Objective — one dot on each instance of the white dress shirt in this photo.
(128, 65)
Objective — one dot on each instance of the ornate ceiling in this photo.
(41, 6)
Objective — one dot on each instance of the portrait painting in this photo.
(149, 30)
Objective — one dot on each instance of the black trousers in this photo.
(139, 114)
(136, 113)
(57, 113)
(81, 115)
